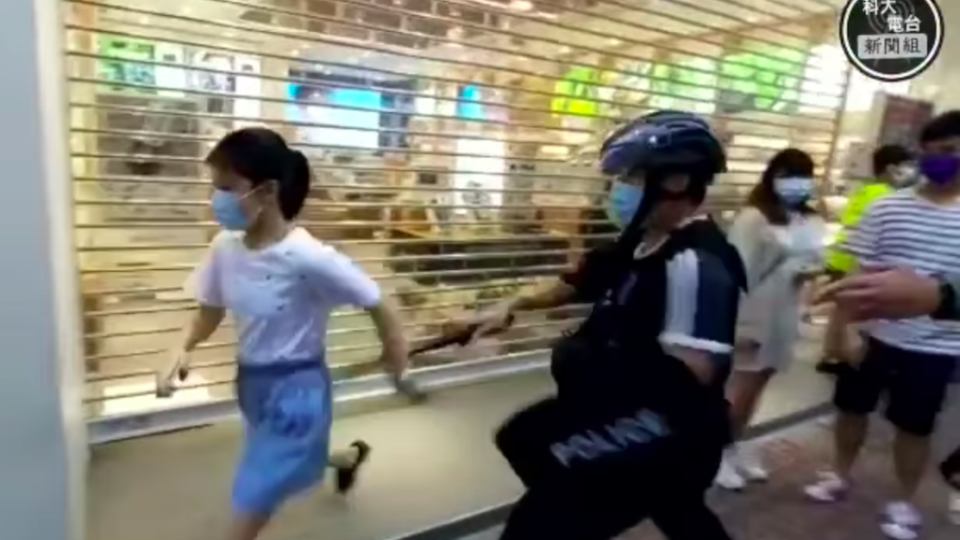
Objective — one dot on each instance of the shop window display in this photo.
(452, 160)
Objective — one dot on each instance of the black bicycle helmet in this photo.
(669, 141)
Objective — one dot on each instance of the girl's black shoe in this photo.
(347, 476)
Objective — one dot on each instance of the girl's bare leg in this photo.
(744, 393)
(746, 387)
(740, 466)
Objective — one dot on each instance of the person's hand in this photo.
(408, 389)
(176, 371)
(395, 360)
(884, 294)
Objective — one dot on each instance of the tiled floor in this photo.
(777, 511)
(431, 463)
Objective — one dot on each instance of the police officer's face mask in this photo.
(623, 202)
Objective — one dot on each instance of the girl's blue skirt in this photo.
(287, 412)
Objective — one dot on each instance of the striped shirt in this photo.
(904, 230)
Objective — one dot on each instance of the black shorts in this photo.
(914, 385)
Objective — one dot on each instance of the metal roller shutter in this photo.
(452, 143)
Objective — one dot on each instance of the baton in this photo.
(459, 338)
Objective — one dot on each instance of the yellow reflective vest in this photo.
(838, 260)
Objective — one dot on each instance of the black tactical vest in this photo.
(625, 324)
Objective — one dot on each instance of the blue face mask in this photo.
(623, 203)
(794, 190)
(228, 210)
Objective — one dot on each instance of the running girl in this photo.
(280, 284)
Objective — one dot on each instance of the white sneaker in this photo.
(728, 477)
(901, 521)
(829, 488)
(750, 466)
(954, 508)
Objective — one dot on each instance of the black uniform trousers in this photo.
(668, 487)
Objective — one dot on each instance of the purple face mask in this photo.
(939, 169)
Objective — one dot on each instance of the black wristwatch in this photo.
(947, 308)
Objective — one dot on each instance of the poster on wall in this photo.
(902, 119)
(358, 112)
(581, 96)
(761, 82)
(769, 79)
(856, 161)
(480, 103)
(172, 79)
(468, 106)
(896, 120)
(250, 87)
(121, 63)
(478, 177)
(212, 81)
(330, 113)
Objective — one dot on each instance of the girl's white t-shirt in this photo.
(281, 296)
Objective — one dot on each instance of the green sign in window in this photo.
(766, 80)
(738, 82)
(577, 92)
(762, 82)
(116, 69)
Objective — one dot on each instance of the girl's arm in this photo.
(337, 280)
(390, 331)
(202, 325)
(206, 288)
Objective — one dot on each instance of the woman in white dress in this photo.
(780, 238)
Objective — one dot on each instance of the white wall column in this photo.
(939, 83)
(42, 448)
